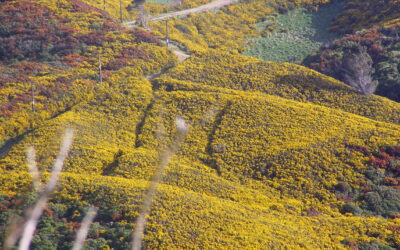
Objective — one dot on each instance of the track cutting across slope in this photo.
(203, 8)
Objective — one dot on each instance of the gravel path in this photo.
(203, 8)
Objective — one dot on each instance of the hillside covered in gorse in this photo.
(203, 130)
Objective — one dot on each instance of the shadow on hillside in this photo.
(322, 19)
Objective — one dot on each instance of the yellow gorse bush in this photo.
(228, 28)
(267, 141)
(257, 156)
(61, 87)
(221, 70)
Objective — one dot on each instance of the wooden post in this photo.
(166, 32)
(33, 98)
(100, 71)
(104, 4)
(120, 10)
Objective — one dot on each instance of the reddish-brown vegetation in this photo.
(143, 36)
(126, 58)
(27, 33)
(381, 44)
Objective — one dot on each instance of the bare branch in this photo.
(182, 129)
(84, 229)
(33, 169)
(34, 214)
(357, 71)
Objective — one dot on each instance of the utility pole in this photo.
(33, 107)
(33, 98)
(120, 10)
(100, 71)
(166, 32)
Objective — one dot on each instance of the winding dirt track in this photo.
(203, 8)
(182, 55)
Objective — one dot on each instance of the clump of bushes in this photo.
(126, 58)
(374, 245)
(61, 221)
(378, 192)
(381, 45)
(26, 33)
(361, 14)
(51, 51)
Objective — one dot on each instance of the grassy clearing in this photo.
(161, 2)
(290, 37)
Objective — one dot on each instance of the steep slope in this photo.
(361, 14)
(250, 158)
(286, 80)
(267, 144)
(228, 28)
(371, 26)
(51, 50)
(382, 46)
(185, 219)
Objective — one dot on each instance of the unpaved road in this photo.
(182, 56)
(203, 8)
(206, 7)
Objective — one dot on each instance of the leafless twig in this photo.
(34, 214)
(33, 169)
(181, 130)
(84, 229)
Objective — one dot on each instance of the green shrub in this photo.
(374, 246)
(378, 193)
